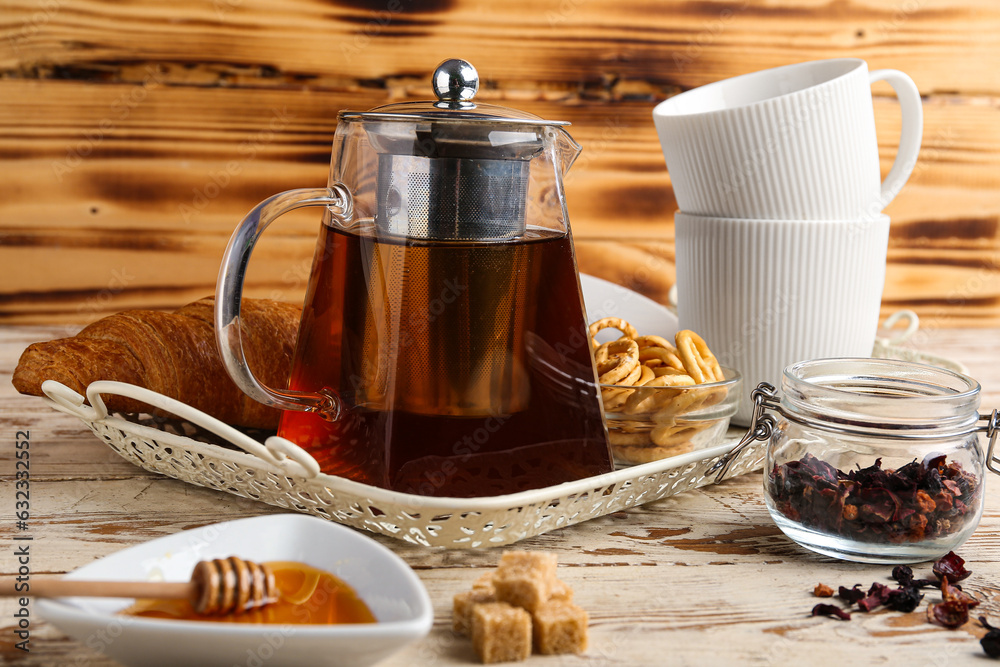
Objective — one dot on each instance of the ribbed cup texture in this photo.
(808, 155)
(765, 294)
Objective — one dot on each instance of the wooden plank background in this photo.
(133, 136)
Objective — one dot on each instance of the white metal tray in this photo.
(279, 473)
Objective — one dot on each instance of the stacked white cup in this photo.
(781, 240)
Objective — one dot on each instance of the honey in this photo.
(307, 596)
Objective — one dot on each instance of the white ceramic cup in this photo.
(792, 143)
(765, 294)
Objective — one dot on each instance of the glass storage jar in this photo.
(873, 460)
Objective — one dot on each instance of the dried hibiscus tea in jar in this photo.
(919, 501)
(873, 460)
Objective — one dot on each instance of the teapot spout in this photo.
(567, 150)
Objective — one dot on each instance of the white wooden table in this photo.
(702, 578)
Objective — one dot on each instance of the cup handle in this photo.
(912, 131)
(229, 291)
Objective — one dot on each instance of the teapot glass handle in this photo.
(229, 292)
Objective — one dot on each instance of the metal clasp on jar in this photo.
(991, 427)
(762, 425)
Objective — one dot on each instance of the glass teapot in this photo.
(443, 346)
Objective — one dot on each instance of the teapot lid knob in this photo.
(455, 83)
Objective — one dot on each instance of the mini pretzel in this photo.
(633, 377)
(698, 360)
(665, 436)
(654, 341)
(645, 399)
(633, 439)
(666, 357)
(684, 402)
(608, 355)
(612, 323)
(615, 398)
(668, 370)
(615, 360)
(647, 376)
(671, 380)
(637, 454)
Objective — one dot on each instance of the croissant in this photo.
(174, 354)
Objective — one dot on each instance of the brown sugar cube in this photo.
(484, 582)
(560, 627)
(462, 605)
(560, 590)
(525, 579)
(500, 632)
(544, 563)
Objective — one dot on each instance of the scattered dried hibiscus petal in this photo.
(950, 614)
(954, 593)
(904, 599)
(823, 591)
(953, 612)
(851, 595)
(832, 611)
(991, 640)
(877, 596)
(907, 597)
(952, 566)
(902, 574)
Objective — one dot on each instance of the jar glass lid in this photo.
(881, 393)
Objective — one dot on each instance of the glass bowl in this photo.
(652, 423)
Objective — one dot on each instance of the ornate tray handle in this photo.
(281, 454)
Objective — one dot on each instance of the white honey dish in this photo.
(794, 142)
(390, 588)
(765, 294)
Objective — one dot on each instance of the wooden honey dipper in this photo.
(220, 586)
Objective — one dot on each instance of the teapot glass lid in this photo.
(455, 84)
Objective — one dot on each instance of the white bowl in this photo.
(603, 298)
(392, 591)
